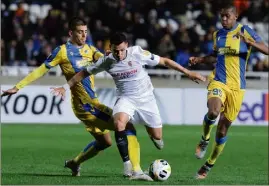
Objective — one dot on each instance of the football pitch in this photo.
(35, 154)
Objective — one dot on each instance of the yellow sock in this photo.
(208, 125)
(89, 152)
(217, 149)
(134, 152)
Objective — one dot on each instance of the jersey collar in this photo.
(69, 43)
(232, 29)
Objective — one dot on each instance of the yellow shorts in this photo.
(97, 119)
(231, 99)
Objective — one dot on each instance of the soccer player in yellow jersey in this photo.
(232, 47)
(72, 57)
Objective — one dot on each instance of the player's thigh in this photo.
(233, 105)
(124, 105)
(99, 122)
(216, 96)
(149, 114)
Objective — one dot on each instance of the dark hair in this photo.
(74, 22)
(117, 38)
(226, 6)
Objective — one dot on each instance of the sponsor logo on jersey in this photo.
(123, 75)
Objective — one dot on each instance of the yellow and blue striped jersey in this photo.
(232, 55)
(73, 59)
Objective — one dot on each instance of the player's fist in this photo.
(10, 91)
(244, 38)
(59, 91)
(194, 60)
(194, 76)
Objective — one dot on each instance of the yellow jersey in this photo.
(232, 55)
(71, 60)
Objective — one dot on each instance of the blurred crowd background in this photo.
(177, 29)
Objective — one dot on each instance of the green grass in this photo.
(34, 154)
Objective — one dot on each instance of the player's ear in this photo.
(236, 16)
(127, 44)
(70, 33)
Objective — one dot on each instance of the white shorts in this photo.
(145, 112)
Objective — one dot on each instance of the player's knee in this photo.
(213, 113)
(119, 125)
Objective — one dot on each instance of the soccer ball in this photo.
(159, 170)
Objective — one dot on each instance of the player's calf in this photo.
(159, 144)
(75, 168)
(156, 137)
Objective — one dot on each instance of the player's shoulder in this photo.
(134, 49)
(91, 47)
(246, 28)
(137, 50)
(58, 49)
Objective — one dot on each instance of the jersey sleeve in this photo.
(34, 75)
(101, 65)
(250, 33)
(214, 49)
(146, 57)
(96, 53)
(54, 58)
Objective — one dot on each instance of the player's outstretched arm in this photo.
(95, 68)
(60, 91)
(172, 64)
(33, 76)
(210, 59)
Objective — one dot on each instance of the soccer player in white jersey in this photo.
(135, 98)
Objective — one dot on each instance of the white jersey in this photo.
(129, 74)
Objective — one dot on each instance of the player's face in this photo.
(119, 51)
(228, 18)
(79, 35)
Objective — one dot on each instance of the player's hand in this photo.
(194, 76)
(59, 91)
(194, 60)
(107, 52)
(10, 91)
(244, 38)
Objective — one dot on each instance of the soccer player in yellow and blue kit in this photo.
(232, 47)
(72, 58)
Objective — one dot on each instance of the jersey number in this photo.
(215, 92)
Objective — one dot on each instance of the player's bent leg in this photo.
(221, 138)
(102, 142)
(120, 121)
(156, 136)
(214, 107)
(133, 148)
